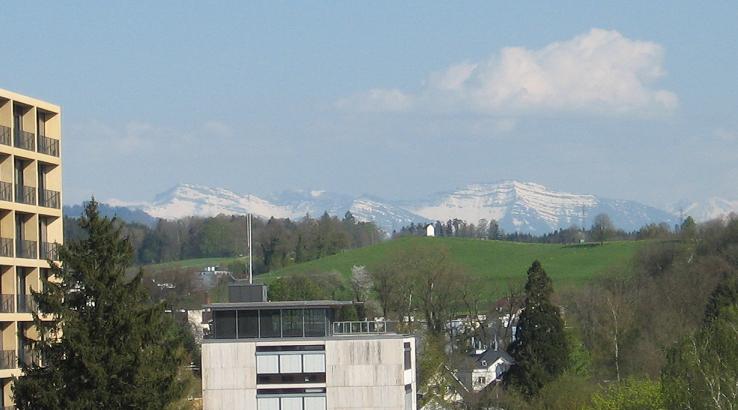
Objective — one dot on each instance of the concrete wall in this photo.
(367, 374)
(229, 376)
(361, 373)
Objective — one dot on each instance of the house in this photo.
(430, 230)
(484, 369)
(299, 355)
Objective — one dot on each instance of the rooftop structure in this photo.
(297, 355)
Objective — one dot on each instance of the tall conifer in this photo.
(540, 348)
(106, 346)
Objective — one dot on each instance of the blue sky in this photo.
(624, 100)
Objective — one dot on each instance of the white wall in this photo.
(229, 376)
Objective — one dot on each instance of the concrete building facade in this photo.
(294, 356)
(30, 221)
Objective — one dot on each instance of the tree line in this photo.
(602, 229)
(277, 242)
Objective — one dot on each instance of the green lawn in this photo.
(190, 264)
(496, 262)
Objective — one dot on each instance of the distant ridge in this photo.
(524, 207)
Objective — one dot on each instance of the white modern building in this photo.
(295, 356)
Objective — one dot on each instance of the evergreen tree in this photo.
(540, 350)
(105, 347)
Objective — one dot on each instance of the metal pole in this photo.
(251, 266)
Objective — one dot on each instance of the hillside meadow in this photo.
(499, 264)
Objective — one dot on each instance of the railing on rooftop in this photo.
(49, 198)
(48, 146)
(5, 133)
(25, 140)
(6, 191)
(363, 327)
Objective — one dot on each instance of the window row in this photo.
(270, 323)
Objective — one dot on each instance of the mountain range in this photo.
(524, 207)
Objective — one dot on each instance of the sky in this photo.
(629, 100)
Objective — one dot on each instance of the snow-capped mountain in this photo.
(712, 208)
(530, 207)
(517, 206)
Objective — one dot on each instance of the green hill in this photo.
(498, 263)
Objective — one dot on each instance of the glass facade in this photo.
(270, 323)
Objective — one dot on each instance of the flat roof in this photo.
(24, 99)
(280, 304)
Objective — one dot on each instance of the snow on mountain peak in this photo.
(516, 206)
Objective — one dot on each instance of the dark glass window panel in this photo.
(292, 323)
(298, 348)
(225, 324)
(271, 323)
(248, 324)
(315, 322)
(292, 378)
(408, 356)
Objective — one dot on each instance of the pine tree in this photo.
(106, 346)
(540, 350)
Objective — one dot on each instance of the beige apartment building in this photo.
(30, 221)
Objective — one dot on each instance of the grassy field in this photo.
(191, 264)
(498, 263)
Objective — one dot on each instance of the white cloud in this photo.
(599, 72)
(726, 135)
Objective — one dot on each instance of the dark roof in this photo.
(280, 305)
(490, 356)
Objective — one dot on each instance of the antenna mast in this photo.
(251, 265)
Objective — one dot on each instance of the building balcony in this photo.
(6, 247)
(48, 146)
(26, 304)
(48, 251)
(6, 303)
(26, 249)
(6, 191)
(8, 359)
(5, 135)
(49, 198)
(25, 140)
(25, 194)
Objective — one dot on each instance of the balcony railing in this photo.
(363, 327)
(8, 359)
(49, 198)
(5, 135)
(6, 191)
(6, 247)
(25, 140)
(48, 251)
(26, 249)
(25, 194)
(49, 146)
(31, 357)
(6, 303)
(26, 304)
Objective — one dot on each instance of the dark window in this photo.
(270, 322)
(290, 378)
(315, 322)
(225, 324)
(311, 390)
(408, 356)
(285, 348)
(292, 323)
(248, 324)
